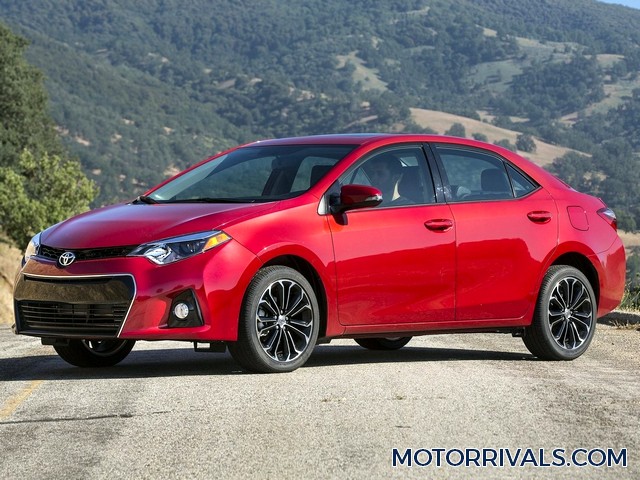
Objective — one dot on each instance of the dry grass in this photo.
(622, 319)
(630, 240)
(441, 122)
(367, 76)
(9, 263)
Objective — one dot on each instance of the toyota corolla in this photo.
(273, 247)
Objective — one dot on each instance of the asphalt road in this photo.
(168, 412)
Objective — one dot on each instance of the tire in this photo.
(279, 322)
(564, 320)
(392, 343)
(94, 353)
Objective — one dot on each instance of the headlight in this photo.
(178, 248)
(32, 249)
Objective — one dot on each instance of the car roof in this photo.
(351, 139)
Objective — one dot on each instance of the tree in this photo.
(39, 185)
(505, 143)
(456, 130)
(24, 116)
(525, 143)
(481, 137)
(40, 192)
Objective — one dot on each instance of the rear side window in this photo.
(471, 175)
(521, 184)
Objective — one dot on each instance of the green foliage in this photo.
(141, 88)
(612, 173)
(457, 130)
(505, 143)
(39, 192)
(481, 137)
(576, 170)
(525, 143)
(601, 27)
(38, 186)
(24, 120)
(622, 122)
(576, 84)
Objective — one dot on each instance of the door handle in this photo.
(439, 224)
(539, 216)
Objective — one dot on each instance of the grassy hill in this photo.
(441, 122)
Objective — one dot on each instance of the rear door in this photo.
(506, 226)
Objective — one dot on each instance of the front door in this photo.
(395, 263)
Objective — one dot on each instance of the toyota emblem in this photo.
(66, 259)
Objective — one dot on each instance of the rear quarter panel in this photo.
(599, 243)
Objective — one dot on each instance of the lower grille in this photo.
(93, 320)
(73, 307)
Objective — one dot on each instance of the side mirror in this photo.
(355, 196)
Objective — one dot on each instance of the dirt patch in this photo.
(9, 263)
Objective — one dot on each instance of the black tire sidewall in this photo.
(247, 350)
(79, 354)
(541, 315)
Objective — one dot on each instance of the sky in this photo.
(628, 3)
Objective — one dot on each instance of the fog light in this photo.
(181, 310)
(184, 311)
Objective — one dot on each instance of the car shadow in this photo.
(175, 362)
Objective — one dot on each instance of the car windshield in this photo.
(253, 174)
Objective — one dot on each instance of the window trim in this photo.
(446, 185)
(431, 174)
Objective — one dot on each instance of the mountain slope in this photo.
(142, 88)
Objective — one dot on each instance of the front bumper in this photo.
(132, 298)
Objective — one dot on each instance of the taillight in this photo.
(609, 216)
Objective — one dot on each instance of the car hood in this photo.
(135, 224)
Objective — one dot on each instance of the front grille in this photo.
(93, 320)
(73, 307)
(86, 253)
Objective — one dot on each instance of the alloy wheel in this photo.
(571, 313)
(284, 320)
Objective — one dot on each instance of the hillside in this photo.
(141, 89)
(441, 122)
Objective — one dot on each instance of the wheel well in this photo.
(310, 273)
(583, 264)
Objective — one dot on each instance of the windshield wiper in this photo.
(145, 199)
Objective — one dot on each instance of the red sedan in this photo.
(275, 246)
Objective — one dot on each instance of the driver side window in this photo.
(401, 174)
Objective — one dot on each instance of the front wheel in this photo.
(391, 343)
(564, 320)
(279, 322)
(94, 353)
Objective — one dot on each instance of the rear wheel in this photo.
(391, 343)
(564, 321)
(279, 322)
(94, 353)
